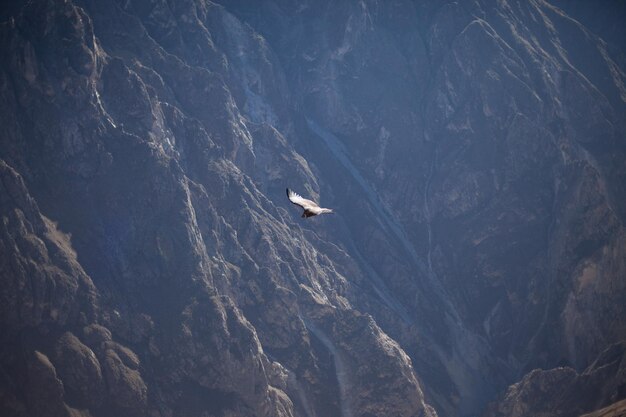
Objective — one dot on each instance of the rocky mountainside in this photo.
(151, 264)
(564, 392)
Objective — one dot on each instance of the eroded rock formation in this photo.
(475, 154)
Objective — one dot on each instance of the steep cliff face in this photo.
(151, 265)
(564, 392)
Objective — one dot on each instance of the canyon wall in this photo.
(151, 264)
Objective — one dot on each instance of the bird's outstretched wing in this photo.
(298, 200)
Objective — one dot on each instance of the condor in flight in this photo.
(310, 207)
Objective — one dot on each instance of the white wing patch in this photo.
(298, 200)
(310, 207)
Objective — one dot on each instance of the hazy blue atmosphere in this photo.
(473, 154)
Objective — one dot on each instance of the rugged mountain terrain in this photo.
(564, 392)
(151, 265)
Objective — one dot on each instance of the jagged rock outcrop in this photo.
(564, 392)
(151, 265)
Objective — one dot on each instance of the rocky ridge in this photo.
(152, 266)
(564, 392)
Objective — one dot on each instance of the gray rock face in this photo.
(564, 392)
(475, 155)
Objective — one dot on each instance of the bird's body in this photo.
(310, 207)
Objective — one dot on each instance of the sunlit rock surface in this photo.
(151, 265)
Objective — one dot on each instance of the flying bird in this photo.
(310, 207)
